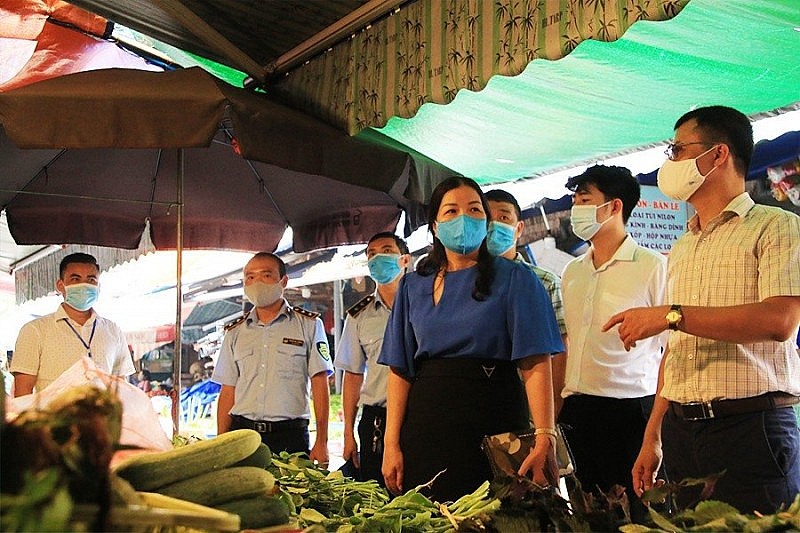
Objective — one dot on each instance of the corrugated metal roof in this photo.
(262, 29)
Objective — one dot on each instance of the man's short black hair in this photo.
(281, 264)
(613, 182)
(721, 124)
(401, 244)
(78, 257)
(499, 195)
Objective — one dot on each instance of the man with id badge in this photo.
(48, 346)
(269, 360)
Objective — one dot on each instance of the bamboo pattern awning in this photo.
(430, 49)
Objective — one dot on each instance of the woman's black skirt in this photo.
(452, 405)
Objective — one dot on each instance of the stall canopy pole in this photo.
(338, 319)
(178, 350)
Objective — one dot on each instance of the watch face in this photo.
(673, 317)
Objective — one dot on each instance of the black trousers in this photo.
(759, 452)
(452, 405)
(371, 428)
(291, 440)
(605, 436)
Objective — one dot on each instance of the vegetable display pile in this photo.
(56, 457)
(713, 515)
(332, 502)
(56, 476)
(228, 473)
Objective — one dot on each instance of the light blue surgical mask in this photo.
(500, 238)
(384, 268)
(81, 296)
(462, 234)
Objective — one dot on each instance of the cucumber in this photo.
(258, 512)
(220, 486)
(122, 492)
(261, 458)
(150, 471)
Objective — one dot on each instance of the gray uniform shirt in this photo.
(360, 347)
(271, 364)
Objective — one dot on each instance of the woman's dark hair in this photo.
(436, 260)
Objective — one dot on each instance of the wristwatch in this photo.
(674, 316)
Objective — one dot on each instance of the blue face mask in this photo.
(81, 296)
(463, 234)
(500, 238)
(384, 268)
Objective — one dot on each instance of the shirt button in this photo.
(694, 297)
(691, 356)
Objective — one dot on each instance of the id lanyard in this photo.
(87, 345)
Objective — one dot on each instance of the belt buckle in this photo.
(705, 410)
(261, 427)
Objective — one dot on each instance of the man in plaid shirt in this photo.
(732, 370)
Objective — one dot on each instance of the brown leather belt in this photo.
(722, 408)
(264, 426)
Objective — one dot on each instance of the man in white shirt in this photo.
(48, 346)
(608, 391)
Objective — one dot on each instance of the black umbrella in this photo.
(91, 158)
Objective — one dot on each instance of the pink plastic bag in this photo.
(140, 425)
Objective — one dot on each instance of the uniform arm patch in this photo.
(323, 350)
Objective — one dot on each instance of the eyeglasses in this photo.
(673, 150)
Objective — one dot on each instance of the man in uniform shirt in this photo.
(359, 348)
(608, 391)
(48, 346)
(732, 370)
(267, 359)
(505, 229)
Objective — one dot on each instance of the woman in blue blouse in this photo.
(461, 327)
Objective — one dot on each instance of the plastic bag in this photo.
(140, 424)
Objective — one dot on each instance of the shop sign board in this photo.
(657, 221)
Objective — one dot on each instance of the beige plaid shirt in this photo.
(746, 254)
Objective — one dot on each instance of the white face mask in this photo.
(263, 294)
(584, 220)
(681, 179)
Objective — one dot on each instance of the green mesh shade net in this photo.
(607, 98)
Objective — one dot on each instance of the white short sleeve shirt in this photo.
(47, 346)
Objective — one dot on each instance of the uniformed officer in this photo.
(364, 379)
(267, 359)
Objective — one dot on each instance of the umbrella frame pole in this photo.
(178, 351)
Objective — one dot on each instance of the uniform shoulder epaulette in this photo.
(360, 305)
(305, 312)
(231, 325)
